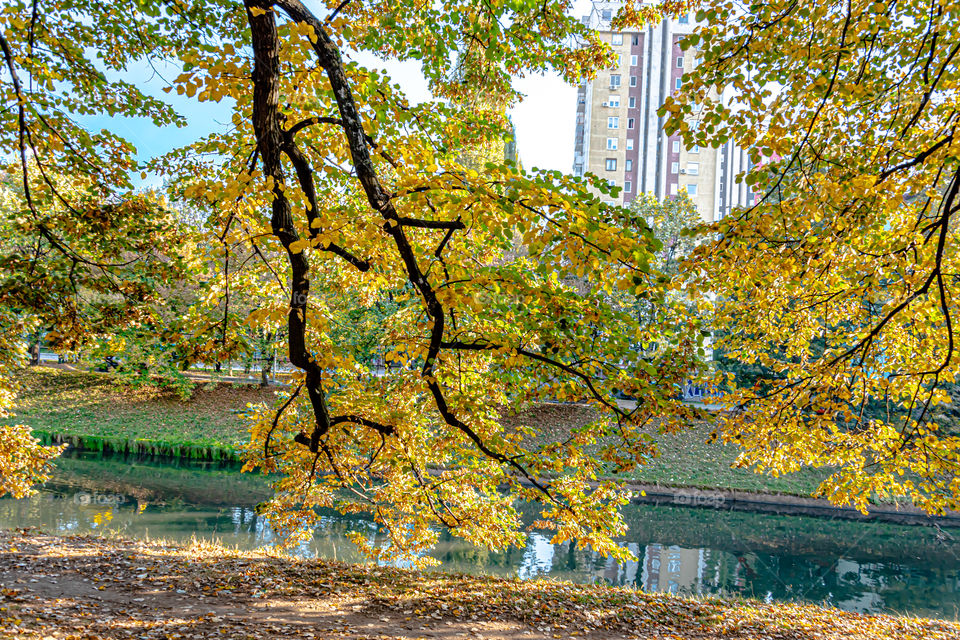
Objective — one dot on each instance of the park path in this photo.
(92, 588)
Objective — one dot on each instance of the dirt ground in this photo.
(86, 588)
(91, 588)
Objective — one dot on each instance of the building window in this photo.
(611, 143)
(629, 144)
(627, 186)
(614, 81)
(676, 146)
(673, 189)
(679, 83)
(636, 40)
(633, 61)
(629, 123)
(679, 62)
(691, 189)
(613, 122)
(617, 39)
(606, 14)
(629, 165)
(613, 101)
(633, 102)
(675, 167)
(684, 19)
(696, 149)
(693, 168)
(633, 81)
(611, 182)
(611, 164)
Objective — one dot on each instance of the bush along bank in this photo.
(104, 444)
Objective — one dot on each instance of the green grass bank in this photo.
(93, 411)
(686, 459)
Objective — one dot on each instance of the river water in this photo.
(866, 566)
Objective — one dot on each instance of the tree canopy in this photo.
(492, 287)
(840, 280)
(332, 202)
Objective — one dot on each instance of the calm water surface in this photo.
(857, 566)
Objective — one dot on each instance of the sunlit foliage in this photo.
(841, 280)
(481, 287)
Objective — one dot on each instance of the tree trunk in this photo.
(265, 374)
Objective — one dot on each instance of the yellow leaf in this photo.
(299, 245)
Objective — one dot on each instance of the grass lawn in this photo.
(686, 459)
(73, 403)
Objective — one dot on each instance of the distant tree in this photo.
(674, 222)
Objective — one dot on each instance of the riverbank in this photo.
(91, 411)
(90, 587)
(686, 461)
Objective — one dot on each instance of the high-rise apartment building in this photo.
(619, 135)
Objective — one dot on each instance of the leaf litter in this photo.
(93, 588)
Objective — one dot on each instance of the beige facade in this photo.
(620, 137)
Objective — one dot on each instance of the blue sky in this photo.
(544, 119)
(150, 140)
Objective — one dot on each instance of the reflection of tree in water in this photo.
(742, 532)
(847, 584)
(468, 558)
(156, 480)
(924, 591)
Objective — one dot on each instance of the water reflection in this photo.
(857, 566)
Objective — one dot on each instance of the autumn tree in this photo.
(339, 186)
(63, 274)
(24, 462)
(674, 222)
(80, 253)
(840, 281)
